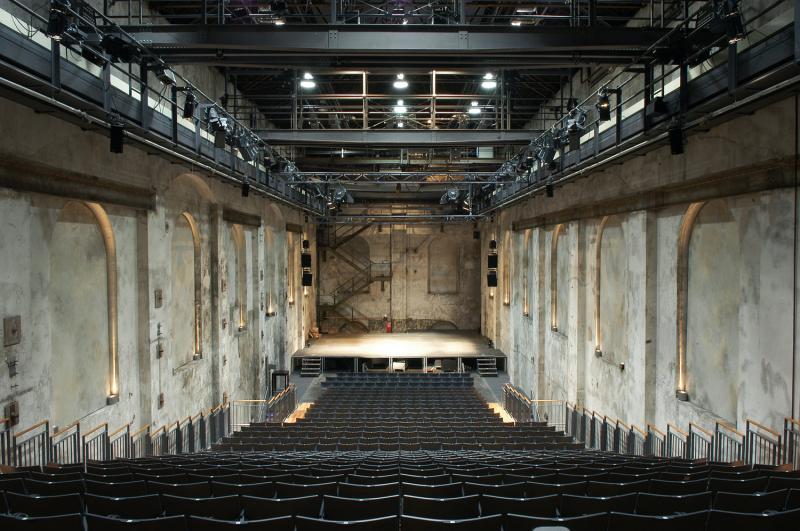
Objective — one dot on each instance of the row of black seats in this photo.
(713, 520)
(234, 507)
(264, 487)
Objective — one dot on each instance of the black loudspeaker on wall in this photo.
(491, 279)
(492, 263)
(676, 140)
(307, 277)
(305, 260)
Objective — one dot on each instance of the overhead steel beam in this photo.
(396, 43)
(397, 138)
(411, 177)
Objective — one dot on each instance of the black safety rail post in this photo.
(55, 65)
(107, 86)
(144, 107)
(174, 109)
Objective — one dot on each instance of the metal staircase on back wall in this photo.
(365, 272)
(310, 366)
(487, 366)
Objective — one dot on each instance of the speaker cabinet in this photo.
(305, 260)
(492, 262)
(307, 277)
(491, 279)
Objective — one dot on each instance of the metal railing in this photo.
(676, 442)
(36, 446)
(519, 406)
(762, 444)
(32, 446)
(791, 442)
(553, 412)
(699, 443)
(728, 443)
(96, 444)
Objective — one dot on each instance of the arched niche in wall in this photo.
(237, 276)
(186, 286)
(83, 296)
(444, 257)
(273, 281)
(712, 289)
(526, 272)
(611, 287)
(506, 251)
(555, 262)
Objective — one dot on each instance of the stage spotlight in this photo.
(58, 21)
(450, 196)
(676, 139)
(575, 124)
(189, 104)
(116, 136)
(730, 18)
(489, 82)
(218, 125)
(164, 74)
(400, 82)
(474, 108)
(245, 147)
(603, 105)
(548, 150)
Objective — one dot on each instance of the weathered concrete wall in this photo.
(741, 263)
(434, 277)
(53, 274)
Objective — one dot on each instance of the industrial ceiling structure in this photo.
(454, 106)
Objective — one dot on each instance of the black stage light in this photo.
(492, 244)
(306, 244)
(117, 136)
(218, 125)
(549, 190)
(189, 104)
(58, 21)
(246, 187)
(603, 106)
(548, 151)
(164, 74)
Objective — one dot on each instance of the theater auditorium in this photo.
(399, 265)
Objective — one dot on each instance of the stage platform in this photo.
(434, 344)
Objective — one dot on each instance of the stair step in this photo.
(487, 366)
(311, 367)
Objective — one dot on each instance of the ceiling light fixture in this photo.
(400, 108)
(474, 108)
(308, 81)
(489, 82)
(516, 23)
(400, 82)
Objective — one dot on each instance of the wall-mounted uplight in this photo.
(308, 81)
(489, 82)
(400, 82)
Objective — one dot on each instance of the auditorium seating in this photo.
(459, 487)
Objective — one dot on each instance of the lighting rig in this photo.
(71, 25)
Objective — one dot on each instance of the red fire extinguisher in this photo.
(388, 324)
